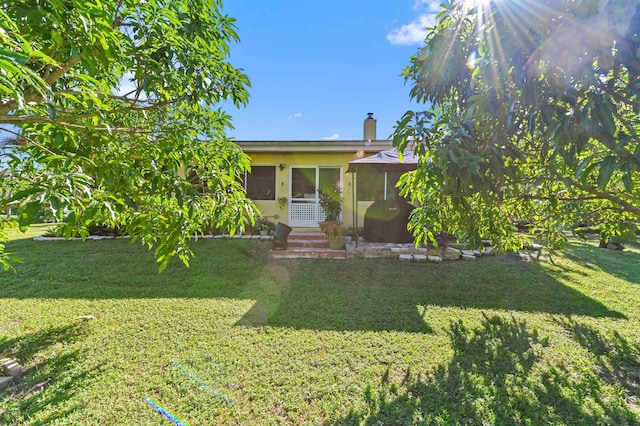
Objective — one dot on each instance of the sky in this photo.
(318, 67)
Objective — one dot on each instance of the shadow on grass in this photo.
(622, 264)
(51, 382)
(356, 294)
(617, 360)
(494, 377)
(386, 295)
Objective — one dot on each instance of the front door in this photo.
(306, 183)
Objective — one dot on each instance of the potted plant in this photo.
(282, 202)
(265, 226)
(335, 232)
(331, 203)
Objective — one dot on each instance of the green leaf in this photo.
(14, 56)
(605, 115)
(607, 167)
(57, 38)
(28, 214)
(51, 110)
(55, 203)
(583, 164)
(146, 82)
(628, 182)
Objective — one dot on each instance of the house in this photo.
(286, 177)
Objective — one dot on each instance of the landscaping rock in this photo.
(5, 382)
(419, 258)
(405, 257)
(373, 254)
(451, 254)
(532, 246)
(467, 252)
(468, 257)
(11, 368)
(434, 259)
(485, 252)
(459, 246)
(432, 251)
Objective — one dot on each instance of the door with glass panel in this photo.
(306, 184)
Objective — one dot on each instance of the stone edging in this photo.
(415, 254)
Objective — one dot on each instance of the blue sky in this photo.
(317, 67)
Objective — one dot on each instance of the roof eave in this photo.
(314, 146)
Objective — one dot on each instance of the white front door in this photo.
(306, 183)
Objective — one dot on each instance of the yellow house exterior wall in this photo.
(288, 156)
(270, 208)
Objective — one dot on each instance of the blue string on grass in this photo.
(201, 383)
(164, 412)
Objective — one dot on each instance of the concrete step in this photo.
(308, 243)
(307, 236)
(301, 245)
(307, 240)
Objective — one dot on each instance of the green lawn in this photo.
(241, 339)
(33, 231)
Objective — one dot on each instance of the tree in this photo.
(532, 119)
(112, 106)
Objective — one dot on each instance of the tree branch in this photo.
(20, 137)
(33, 119)
(32, 95)
(602, 195)
(618, 97)
(64, 68)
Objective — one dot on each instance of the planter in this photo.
(337, 242)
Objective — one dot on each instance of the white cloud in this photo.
(430, 5)
(294, 116)
(333, 137)
(416, 31)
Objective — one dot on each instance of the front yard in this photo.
(241, 339)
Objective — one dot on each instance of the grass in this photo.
(241, 339)
(33, 231)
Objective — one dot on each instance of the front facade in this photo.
(286, 178)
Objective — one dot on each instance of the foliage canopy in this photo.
(532, 119)
(109, 105)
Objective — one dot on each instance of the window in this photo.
(370, 186)
(260, 183)
(375, 185)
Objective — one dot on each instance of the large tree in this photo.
(108, 108)
(532, 117)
